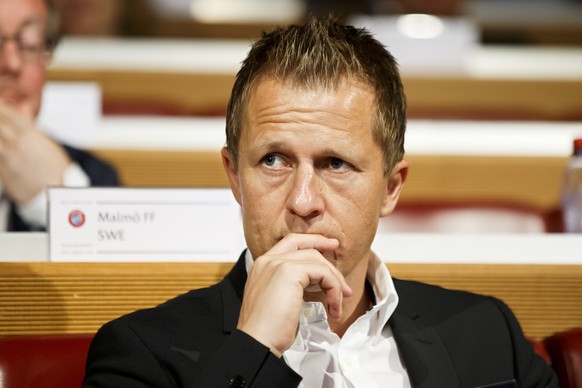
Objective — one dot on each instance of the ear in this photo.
(231, 173)
(394, 187)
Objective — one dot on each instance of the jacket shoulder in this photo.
(437, 303)
(180, 312)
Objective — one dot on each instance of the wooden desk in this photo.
(37, 298)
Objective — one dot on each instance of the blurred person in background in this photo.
(30, 161)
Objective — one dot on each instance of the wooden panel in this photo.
(188, 93)
(533, 181)
(493, 98)
(40, 298)
(166, 168)
(43, 298)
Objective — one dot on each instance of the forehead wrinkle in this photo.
(281, 106)
(285, 108)
(311, 118)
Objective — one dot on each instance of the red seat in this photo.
(540, 349)
(565, 350)
(43, 361)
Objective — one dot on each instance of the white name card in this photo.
(127, 224)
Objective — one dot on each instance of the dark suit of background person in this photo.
(99, 173)
(314, 161)
(30, 161)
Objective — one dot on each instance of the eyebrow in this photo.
(270, 144)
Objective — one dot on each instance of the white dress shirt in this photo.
(366, 356)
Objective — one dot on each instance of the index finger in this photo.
(297, 241)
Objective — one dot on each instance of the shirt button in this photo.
(237, 382)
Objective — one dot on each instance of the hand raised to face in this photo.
(276, 283)
(29, 160)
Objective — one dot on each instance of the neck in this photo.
(353, 308)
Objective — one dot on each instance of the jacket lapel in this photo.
(424, 355)
(232, 289)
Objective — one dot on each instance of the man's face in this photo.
(308, 163)
(21, 76)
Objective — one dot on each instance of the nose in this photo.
(306, 198)
(10, 56)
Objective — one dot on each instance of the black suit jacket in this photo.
(446, 338)
(99, 173)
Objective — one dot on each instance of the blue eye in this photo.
(336, 163)
(272, 160)
(269, 160)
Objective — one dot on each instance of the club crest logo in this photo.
(76, 218)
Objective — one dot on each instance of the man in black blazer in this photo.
(30, 161)
(314, 156)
